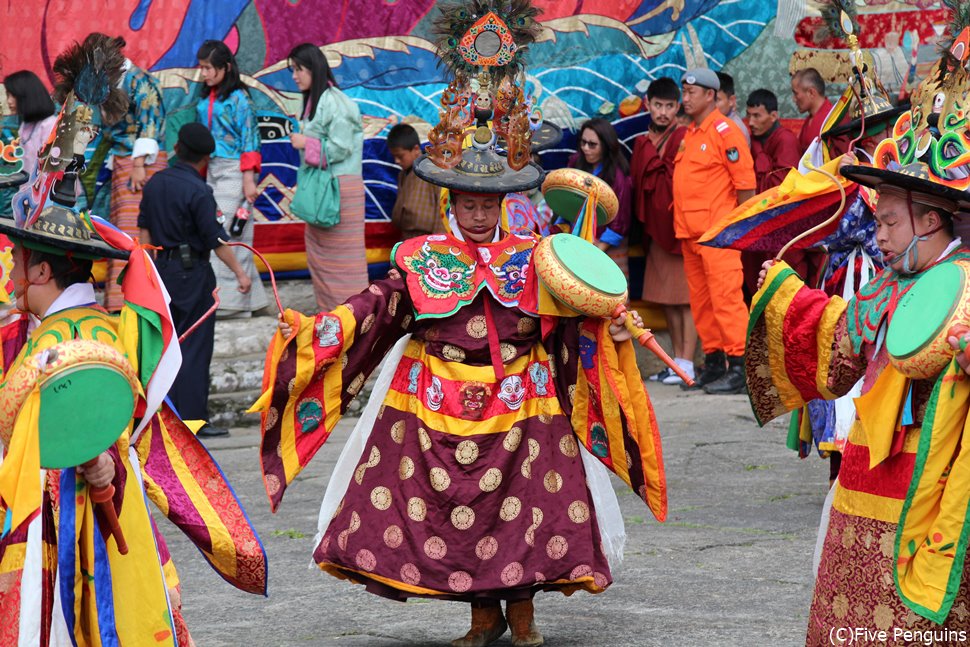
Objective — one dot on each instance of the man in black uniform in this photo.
(178, 214)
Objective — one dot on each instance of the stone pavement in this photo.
(731, 566)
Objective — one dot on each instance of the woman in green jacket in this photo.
(332, 138)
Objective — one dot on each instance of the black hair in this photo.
(664, 88)
(402, 136)
(66, 269)
(810, 76)
(613, 160)
(188, 155)
(309, 57)
(727, 83)
(764, 98)
(34, 103)
(217, 53)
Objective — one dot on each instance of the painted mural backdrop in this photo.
(595, 58)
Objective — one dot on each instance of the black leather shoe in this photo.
(715, 366)
(731, 383)
(209, 431)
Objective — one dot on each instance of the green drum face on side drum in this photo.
(86, 391)
(84, 409)
(916, 338)
(590, 264)
(580, 275)
(567, 189)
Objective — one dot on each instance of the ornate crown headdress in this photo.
(483, 45)
(865, 98)
(88, 76)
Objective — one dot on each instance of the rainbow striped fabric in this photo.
(187, 485)
(766, 222)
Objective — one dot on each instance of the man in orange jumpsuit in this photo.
(713, 173)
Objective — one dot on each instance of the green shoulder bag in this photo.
(317, 198)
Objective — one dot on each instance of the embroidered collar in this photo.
(443, 274)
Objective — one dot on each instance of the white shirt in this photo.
(74, 296)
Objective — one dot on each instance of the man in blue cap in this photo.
(178, 214)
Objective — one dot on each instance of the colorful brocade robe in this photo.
(895, 547)
(66, 546)
(470, 483)
(54, 590)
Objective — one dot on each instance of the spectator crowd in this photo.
(697, 161)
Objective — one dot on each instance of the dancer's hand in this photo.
(849, 159)
(764, 272)
(286, 328)
(618, 330)
(955, 338)
(99, 471)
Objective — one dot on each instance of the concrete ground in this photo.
(731, 565)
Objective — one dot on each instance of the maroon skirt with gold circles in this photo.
(457, 514)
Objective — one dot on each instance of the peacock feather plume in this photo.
(959, 20)
(93, 71)
(831, 11)
(453, 30)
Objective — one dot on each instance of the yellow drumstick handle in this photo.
(648, 341)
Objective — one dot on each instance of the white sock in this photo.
(686, 365)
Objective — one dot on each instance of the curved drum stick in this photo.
(838, 185)
(208, 313)
(272, 276)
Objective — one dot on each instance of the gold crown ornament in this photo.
(483, 44)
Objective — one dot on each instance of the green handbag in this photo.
(317, 198)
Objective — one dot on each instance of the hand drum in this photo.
(917, 335)
(87, 399)
(586, 280)
(567, 189)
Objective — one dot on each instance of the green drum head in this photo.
(83, 411)
(567, 203)
(925, 310)
(589, 264)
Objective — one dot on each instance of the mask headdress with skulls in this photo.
(928, 153)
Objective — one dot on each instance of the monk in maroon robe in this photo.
(775, 149)
(652, 172)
